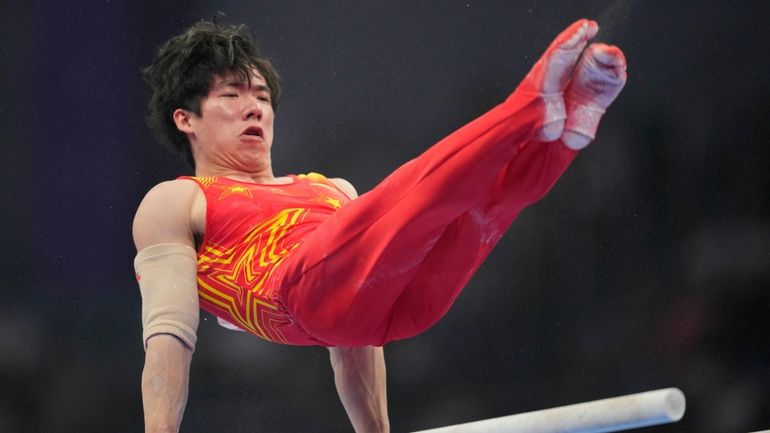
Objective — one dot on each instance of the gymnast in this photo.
(301, 259)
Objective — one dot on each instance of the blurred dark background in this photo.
(647, 266)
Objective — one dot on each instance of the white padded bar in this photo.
(608, 415)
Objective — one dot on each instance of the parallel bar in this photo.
(608, 415)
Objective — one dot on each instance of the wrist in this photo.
(375, 428)
(160, 429)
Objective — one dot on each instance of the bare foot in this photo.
(598, 79)
(549, 77)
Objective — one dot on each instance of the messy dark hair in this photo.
(183, 69)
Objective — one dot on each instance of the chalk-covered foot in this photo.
(549, 77)
(598, 79)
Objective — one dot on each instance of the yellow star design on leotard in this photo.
(230, 190)
(334, 202)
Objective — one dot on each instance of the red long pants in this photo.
(391, 263)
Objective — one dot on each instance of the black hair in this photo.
(183, 69)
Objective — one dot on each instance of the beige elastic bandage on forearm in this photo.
(167, 276)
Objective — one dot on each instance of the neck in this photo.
(234, 169)
(262, 176)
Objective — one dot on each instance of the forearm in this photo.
(359, 374)
(165, 383)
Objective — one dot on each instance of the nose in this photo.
(253, 109)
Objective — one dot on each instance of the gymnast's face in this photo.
(235, 127)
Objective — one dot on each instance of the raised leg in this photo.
(469, 239)
(343, 284)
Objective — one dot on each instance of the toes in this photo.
(608, 60)
(577, 37)
(551, 73)
(593, 29)
(580, 24)
(578, 32)
(607, 55)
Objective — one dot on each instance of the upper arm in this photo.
(166, 264)
(164, 215)
(345, 187)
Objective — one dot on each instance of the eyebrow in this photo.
(241, 84)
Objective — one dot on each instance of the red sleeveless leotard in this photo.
(250, 229)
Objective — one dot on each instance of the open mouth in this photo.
(253, 131)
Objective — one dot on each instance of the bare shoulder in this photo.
(163, 215)
(345, 187)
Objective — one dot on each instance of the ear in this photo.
(182, 119)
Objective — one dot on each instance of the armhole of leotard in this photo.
(200, 240)
(331, 183)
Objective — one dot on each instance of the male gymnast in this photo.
(301, 259)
